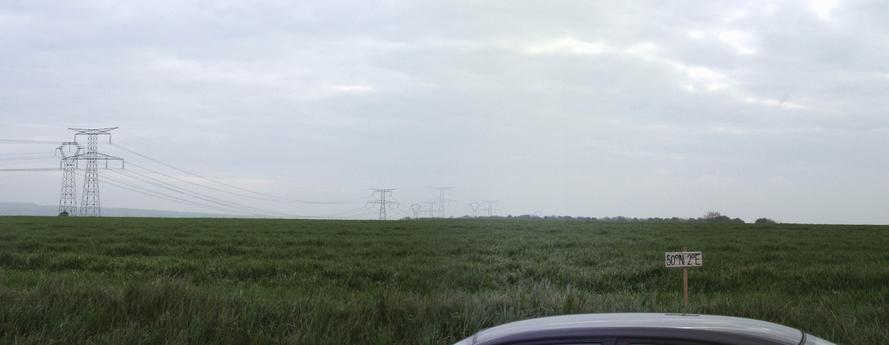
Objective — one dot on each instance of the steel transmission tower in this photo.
(416, 208)
(383, 203)
(442, 199)
(475, 205)
(68, 196)
(89, 201)
(430, 209)
(490, 209)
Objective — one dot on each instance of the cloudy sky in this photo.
(636, 108)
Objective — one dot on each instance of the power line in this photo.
(360, 211)
(26, 154)
(227, 205)
(38, 153)
(233, 205)
(182, 180)
(265, 195)
(26, 158)
(25, 141)
(27, 169)
(403, 213)
(154, 183)
(394, 201)
(155, 194)
(190, 182)
(159, 195)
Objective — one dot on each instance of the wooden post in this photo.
(685, 283)
(684, 260)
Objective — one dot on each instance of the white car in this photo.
(642, 329)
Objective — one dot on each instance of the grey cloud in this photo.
(756, 108)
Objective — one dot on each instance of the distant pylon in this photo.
(490, 209)
(68, 195)
(430, 209)
(383, 202)
(475, 205)
(442, 199)
(89, 201)
(416, 208)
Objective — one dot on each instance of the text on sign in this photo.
(684, 259)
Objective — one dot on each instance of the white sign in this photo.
(684, 259)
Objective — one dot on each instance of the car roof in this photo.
(691, 327)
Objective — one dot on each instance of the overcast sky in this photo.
(624, 108)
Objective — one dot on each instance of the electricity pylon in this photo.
(416, 208)
(89, 201)
(442, 199)
(475, 205)
(430, 209)
(490, 209)
(68, 195)
(382, 202)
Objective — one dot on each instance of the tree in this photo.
(712, 215)
(716, 217)
(765, 221)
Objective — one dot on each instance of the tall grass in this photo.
(201, 281)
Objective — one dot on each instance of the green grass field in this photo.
(198, 281)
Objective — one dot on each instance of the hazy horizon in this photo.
(637, 109)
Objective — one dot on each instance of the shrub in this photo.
(765, 221)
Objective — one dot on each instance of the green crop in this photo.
(224, 281)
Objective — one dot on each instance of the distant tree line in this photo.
(709, 217)
(765, 221)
